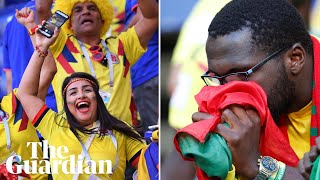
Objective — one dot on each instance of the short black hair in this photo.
(274, 24)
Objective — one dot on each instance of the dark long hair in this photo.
(107, 121)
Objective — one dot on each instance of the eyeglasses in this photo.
(242, 76)
(97, 55)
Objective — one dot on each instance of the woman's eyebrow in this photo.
(74, 88)
(87, 85)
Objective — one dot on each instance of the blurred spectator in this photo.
(6, 15)
(315, 17)
(188, 63)
(118, 23)
(17, 52)
(10, 2)
(310, 12)
(144, 74)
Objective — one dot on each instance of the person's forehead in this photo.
(79, 84)
(84, 3)
(235, 43)
(232, 51)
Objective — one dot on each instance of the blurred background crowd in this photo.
(182, 54)
(7, 10)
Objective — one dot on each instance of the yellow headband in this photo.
(78, 79)
(105, 8)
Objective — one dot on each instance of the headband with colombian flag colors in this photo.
(78, 79)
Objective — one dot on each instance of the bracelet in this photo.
(32, 31)
(282, 169)
(41, 54)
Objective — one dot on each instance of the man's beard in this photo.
(280, 96)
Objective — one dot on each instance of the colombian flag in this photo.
(148, 166)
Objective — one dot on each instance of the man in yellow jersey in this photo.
(80, 40)
(265, 41)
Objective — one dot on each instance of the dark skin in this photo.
(305, 163)
(292, 68)
(303, 8)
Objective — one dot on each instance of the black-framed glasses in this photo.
(242, 76)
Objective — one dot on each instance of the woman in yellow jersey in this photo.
(15, 133)
(85, 141)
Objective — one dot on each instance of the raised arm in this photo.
(149, 8)
(148, 24)
(48, 70)
(28, 89)
(135, 18)
(26, 17)
(43, 11)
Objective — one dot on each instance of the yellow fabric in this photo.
(19, 139)
(299, 130)
(117, 24)
(120, 100)
(155, 135)
(231, 174)
(190, 54)
(142, 166)
(54, 128)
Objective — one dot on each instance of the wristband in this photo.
(41, 54)
(280, 173)
(32, 31)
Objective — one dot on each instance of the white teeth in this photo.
(82, 103)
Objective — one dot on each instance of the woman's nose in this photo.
(81, 95)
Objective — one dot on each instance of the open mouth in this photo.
(86, 21)
(83, 106)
